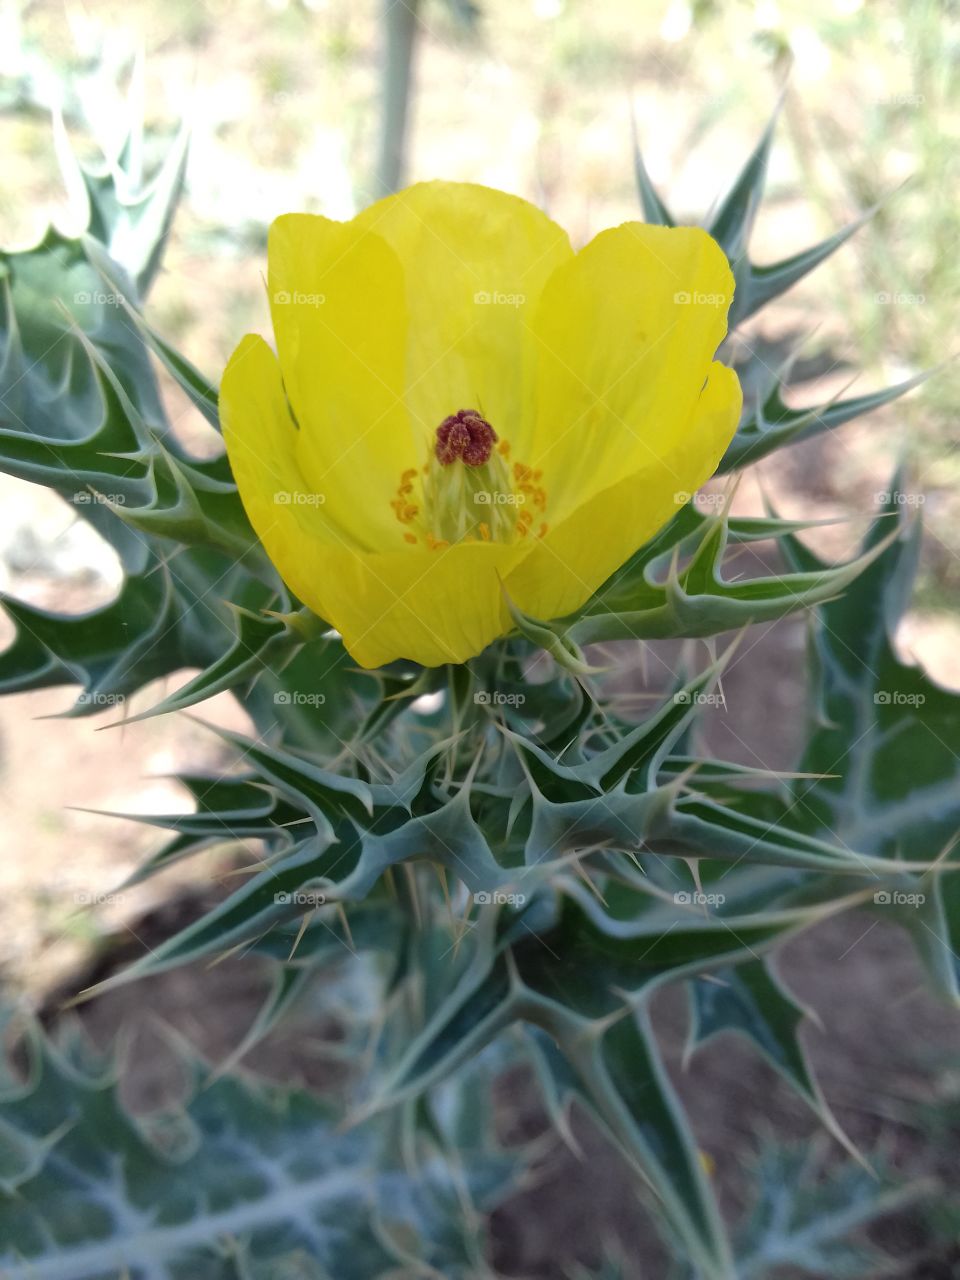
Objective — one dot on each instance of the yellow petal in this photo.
(340, 320)
(475, 262)
(261, 441)
(577, 555)
(625, 334)
(430, 606)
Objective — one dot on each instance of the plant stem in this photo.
(400, 24)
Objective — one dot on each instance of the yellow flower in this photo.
(463, 407)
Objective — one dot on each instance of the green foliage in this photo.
(767, 423)
(516, 861)
(808, 1220)
(242, 1179)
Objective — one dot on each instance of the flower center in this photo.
(468, 490)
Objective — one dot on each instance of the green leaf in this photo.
(763, 284)
(773, 425)
(111, 652)
(653, 597)
(54, 296)
(733, 221)
(164, 619)
(80, 410)
(199, 390)
(584, 977)
(654, 210)
(732, 225)
(806, 1223)
(341, 834)
(129, 216)
(228, 809)
(750, 1000)
(260, 645)
(244, 1179)
(885, 744)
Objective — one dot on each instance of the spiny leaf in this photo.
(228, 809)
(52, 287)
(202, 393)
(654, 210)
(773, 425)
(261, 644)
(160, 622)
(111, 652)
(732, 224)
(80, 409)
(766, 283)
(733, 221)
(751, 1001)
(130, 217)
(698, 600)
(244, 1179)
(808, 1224)
(584, 978)
(885, 743)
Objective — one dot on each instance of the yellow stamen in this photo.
(433, 510)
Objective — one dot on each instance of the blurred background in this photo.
(295, 105)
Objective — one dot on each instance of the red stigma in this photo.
(465, 435)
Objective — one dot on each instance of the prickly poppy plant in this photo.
(467, 462)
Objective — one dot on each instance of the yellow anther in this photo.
(454, 512)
